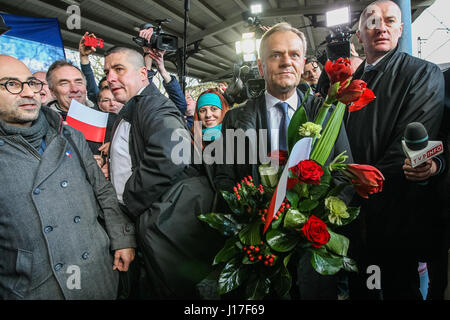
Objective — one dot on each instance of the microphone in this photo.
(416, 145)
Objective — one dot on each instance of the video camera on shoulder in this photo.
(93, 42)
(338, 41)
(159, 40)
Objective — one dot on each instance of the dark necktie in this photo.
(284, 124)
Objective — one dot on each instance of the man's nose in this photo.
(26, 91)
(286, 59)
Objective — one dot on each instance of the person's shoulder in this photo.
(414, 63)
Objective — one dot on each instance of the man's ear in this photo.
(401, 29)
(144, 74)
(358, 35)
(260, 68)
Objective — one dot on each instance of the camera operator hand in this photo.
(85, 51)
(154, 55)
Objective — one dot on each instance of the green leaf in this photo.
(251, 234)
(307, 205)
(231, 276)
(326, 263)
(281, 241)
(276, 222)
(283, 280)
(319, 191)
(337, 244)
(257, 288)
(323, 147)
(246, 259)
(219, 221)
(294, 219)
(293, 198)
(353, 213)
(228, 251)
(232, 202)
(350, 265)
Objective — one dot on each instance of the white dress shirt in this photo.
(274, 115)
(119, 158)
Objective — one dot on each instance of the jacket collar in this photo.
(127, 110)
(380, 66)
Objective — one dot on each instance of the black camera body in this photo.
(246, 84)
(159, 40)
(338, 44)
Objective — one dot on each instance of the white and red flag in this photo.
(90, 122)
(300, 152)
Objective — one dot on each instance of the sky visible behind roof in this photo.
(433, 24)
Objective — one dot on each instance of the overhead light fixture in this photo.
(256, 8)
(248, 47)
(338, 17)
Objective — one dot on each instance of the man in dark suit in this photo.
(282, 58)
(396, 227)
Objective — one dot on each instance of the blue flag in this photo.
(36, 42)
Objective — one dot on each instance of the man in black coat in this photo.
(149, 179)
(282, 57)
(396, 226)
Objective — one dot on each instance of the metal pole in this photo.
(405, 42)
(183, 77)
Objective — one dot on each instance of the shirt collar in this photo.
(376, 61)
(292, 101)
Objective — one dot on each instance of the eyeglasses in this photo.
(16, 86)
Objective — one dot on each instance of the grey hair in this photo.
(59, 64)
(281, 27)
(373, 4)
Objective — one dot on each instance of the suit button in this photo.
(58, 266)
(2, 142)
(64, 184)
(76, 219)
(37, 190)
(48, 229)
(85, 255)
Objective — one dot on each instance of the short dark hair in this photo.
(100, 82)
(134, 57)
(59, 64)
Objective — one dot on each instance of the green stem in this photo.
(323, 147)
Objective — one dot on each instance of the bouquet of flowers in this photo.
(297, 205)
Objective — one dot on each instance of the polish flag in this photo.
(90, 122)
(300, 152)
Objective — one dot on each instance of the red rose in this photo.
(357, 94)
(366, 179)
(338, 71)
(279, 156)
(315, 230)
(308, 171)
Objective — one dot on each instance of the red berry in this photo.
(244, 248)
(271, 260)
(288, 206)
(238, 197)
(273, 256)
(266, 263)
(259, 257)
(256, 249)
(267, 257)
(239, 185)
(262, 242)
(234, 189)
(248, 252)
(276, 218)
(252, 247)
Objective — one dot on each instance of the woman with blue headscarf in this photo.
(210, 110)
